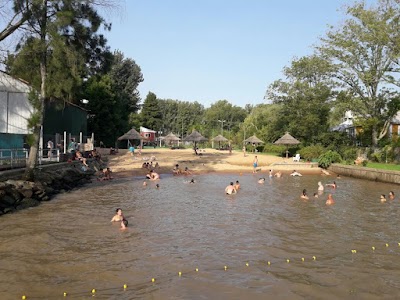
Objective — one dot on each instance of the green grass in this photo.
(382, 166)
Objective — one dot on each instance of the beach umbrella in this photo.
(254, 140)
(287, 140)
(219, 138)
(171, 138)
(131, 135)
(195, 137)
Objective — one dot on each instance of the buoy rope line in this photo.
(264, 266)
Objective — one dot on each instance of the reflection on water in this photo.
(69, 244)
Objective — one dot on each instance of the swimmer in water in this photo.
(383, 198)
(391, 195)
(157, 186)
(237, 185)
(144, 183)
(304, 195)
(191, 181)
(124, 224)
(230, 189)
(261, 180)
(332, 185)
(278, 174)
(153, 175)
(118, 216)
(330, 200)
(315, 195)
(295, 173)
(320, 187)
(270, 174)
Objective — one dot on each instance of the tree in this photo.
(67, 30)
(365, 53)
(151, 113)
(304, 98)
(20, 14)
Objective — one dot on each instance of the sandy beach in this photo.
(210, 160)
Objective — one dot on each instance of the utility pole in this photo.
(222, 126)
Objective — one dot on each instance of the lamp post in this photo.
(222, 126)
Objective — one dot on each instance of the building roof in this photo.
(12, 84)
(144, 129)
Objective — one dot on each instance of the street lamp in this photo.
(222, 126)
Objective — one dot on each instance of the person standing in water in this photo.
(230, 189)
(255, 164)
(118, 216)
(330, 200)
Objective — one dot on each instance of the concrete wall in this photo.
(366, 173)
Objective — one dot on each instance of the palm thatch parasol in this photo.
(254, 140)
(287, 140)
(195, 137)
(131, 135)
(171, 138)
(219, 138)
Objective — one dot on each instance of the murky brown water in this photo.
(69, 245)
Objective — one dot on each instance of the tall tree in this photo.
(151, 113)
(66, 29)
(15, 17)
(365, 52)
(304, 97)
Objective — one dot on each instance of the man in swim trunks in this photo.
(320, 187)
(255, 164)
(237, 185)
(391, 195)
(230, 189)
(118, 216)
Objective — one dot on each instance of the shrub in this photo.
(311, 152)
(349, 153)
(329, 157)
(271, 148)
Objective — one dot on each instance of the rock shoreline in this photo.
(16, 195)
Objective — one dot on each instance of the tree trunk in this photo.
(33, 153)
(374, 137)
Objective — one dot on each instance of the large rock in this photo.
(27, 202)
(7, 201)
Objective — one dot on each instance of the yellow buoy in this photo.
(23, 297)
(353, 251)
(247, 264)
(180, 274)
(93, 291)
(373, 248)
(125, 286)
(302, 259)
(387, 245)
(225, 267)
(398, 244)
(153, 280)
(287, 260)
(197, 269)
(314, 258)
(65, 294)
(269, 263)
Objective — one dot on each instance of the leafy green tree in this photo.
(223, 117)
(304, 98)
(151, 113)
(365, 54)
(63, 32)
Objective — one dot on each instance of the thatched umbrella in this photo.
(171, 138)
(253, 140)
(131, 135)
(219, 138)
(287, 140)
(195, 137)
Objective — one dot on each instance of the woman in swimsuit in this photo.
(118, 216)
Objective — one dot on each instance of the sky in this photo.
(210, 50)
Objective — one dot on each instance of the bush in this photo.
(328, 158)
(311, 152)
(349, 153)
(271, 148)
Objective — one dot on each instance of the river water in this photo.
(70, 245)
